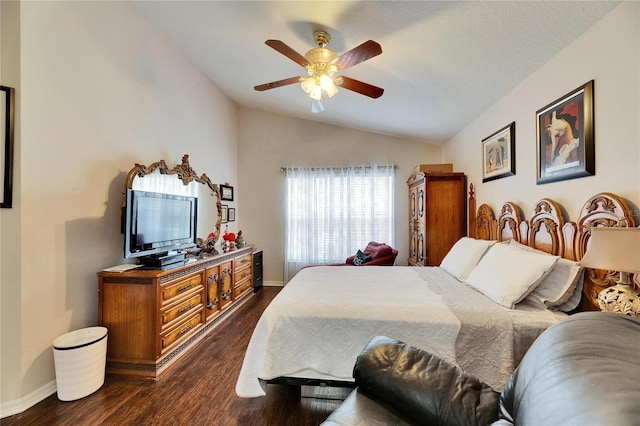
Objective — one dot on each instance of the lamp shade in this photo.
(613, 249)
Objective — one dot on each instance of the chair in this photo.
(381, 254)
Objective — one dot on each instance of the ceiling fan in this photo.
(321, 64)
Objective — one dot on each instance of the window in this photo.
(332, 212)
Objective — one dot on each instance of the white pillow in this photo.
(559, 285)
(507, 274)
(574, 300)
(464, 256)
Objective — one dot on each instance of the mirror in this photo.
(182, 180)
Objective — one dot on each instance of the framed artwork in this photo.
(224, 214)
(231, 216)
(565, 137)
(226, 192)
(7, 117)
(499, 154)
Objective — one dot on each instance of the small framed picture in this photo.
(499, 154)
(565, 137)
(7, 122)
(231, 215)
(226, 192)
(225, 214)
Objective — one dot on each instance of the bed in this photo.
(314, 329)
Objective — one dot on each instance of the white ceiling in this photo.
(442, 64)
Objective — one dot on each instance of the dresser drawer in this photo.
(242, 262)
(243, 287)
(242, 274)
(171, 313)
(179, 288)
(193, 323)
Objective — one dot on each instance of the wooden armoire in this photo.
(437, 215)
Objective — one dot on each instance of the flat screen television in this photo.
(156, 224)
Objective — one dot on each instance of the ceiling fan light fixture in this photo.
(320, 55)
(316, 93)
(327, 84)
(318, 84)
(321, 64)
(308, 84)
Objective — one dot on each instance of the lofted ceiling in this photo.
(442, 64)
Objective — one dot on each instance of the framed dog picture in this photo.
(565, 137)
(499, 154)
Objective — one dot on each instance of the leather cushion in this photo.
(582, 370)
(361, 410)
(423, 387)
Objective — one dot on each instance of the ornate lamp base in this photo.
(622, 299)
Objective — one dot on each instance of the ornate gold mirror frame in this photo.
(187, 175)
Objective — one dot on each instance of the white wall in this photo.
(608, 53)
(269, 141)
(10, 289)
(100, 91)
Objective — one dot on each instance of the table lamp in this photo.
(616, 249)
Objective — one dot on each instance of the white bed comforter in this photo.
(319, 323)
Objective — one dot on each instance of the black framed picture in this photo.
(226, 192)
(225, 214)
(565, 137)
(499, 154)
(231, 215)
(7, 121)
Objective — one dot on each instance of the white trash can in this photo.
(80, 359)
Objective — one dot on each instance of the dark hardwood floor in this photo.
(198, 391)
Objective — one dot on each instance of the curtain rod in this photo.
(284, 169)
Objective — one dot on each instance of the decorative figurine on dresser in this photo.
(182, 285)
(437, 207)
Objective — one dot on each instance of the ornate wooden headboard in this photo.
(548, 230)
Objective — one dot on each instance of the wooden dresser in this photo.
(437, 215)
(154, 317)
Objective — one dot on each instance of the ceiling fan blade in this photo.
(279, 83)
(366, 50)
(288, 52)
(359, 87)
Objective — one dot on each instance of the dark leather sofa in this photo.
(584, 370)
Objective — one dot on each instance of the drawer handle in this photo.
(184, 330)
(185, 308)
(185, 287)
(225, 295)
(212, 279)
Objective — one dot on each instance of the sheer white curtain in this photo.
(334, 211)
